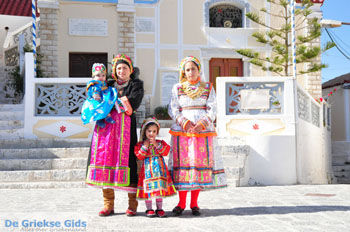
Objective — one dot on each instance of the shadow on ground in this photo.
(251, 211)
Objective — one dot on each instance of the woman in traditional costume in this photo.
(192, 161)
(112, 162)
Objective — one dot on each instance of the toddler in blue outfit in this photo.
(100, 98)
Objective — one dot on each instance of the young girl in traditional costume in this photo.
(100, 98)
(154, 177)
(112, 161)
(192, 161)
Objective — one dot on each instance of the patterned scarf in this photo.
(193, 91)
(120, 85)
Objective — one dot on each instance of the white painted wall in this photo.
(73, 124)
(297, 153)
(312, 160)
(272, 158)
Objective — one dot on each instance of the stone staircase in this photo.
(2, 84)
(38, 163)
(43, 163)
(7, 94)
(341, 161)
(234, 153)
(11, 121)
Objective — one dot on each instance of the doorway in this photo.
(219, 67)
(80, 64)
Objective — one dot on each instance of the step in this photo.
(165, 123)
(11, 107)
(11, 124)
(341, 168)
(233, 173)
(45, 153)
(43, 175)
(44, 143)
(342, 174)
(340, 160)
(12, 115)
(341, 180)
(11, 133)
(344, 153)
(341, 147)
(43, 185)
(42, 164)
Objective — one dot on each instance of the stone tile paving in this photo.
(273, 208)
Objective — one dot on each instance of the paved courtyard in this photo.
(274, 208)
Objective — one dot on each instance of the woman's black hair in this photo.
(135, 74)
(144, 137)
(122, 62)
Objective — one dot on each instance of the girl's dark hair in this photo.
(144, 137)
(195, 64)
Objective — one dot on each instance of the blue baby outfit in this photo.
(93, 110)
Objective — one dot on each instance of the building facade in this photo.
(157, 34)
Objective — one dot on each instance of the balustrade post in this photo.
(29, 97)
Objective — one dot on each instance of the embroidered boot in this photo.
(108, 200)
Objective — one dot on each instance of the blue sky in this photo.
(337, 63)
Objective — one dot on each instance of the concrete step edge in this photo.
(11, 126)
(42, 164)
(43, 175)
(11, 113)
(44, 153)
(11, 107)
(44, 143)
(43, 185)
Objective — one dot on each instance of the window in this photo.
(225, 16)
(80, 64)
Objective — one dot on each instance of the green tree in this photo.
(279, 39)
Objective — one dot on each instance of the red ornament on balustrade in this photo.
(63, 129)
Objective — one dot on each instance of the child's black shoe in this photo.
(160, 213)
(150, 213)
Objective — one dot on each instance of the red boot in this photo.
(130, 213)
(106, 212)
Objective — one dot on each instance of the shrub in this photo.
(161, 113)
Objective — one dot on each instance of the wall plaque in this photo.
(169, 79)
(88, 27)
(144, 25)
(255, 99)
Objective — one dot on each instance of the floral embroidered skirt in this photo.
(154, 179)
(194, 164)
(109, 157)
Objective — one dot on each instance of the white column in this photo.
(29, 97)
(205, 69)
